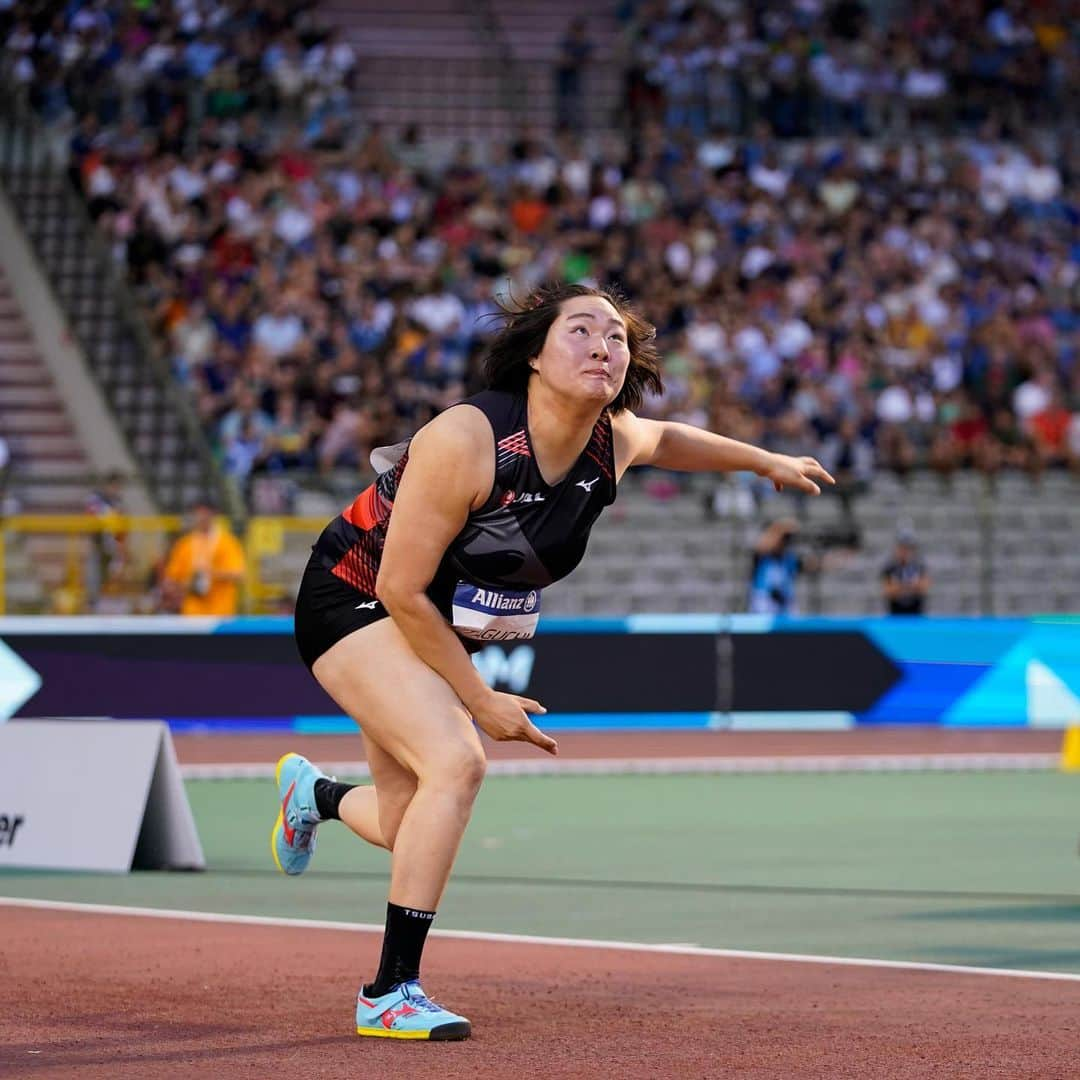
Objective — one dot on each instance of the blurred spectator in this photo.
(575, 49)
(108, 555)
(849, 457)
(244, 433)
(290, 441)
(278, 330)
(904, 578)
(1049, 428)
(205, 566)
(1072, 443)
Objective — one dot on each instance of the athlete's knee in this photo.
(460, 766)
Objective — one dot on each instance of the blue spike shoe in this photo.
(293, 840)
(407, 1013)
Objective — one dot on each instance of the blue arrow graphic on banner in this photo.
(19, 682)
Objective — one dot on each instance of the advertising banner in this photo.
(694, 671)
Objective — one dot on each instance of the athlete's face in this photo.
(585, 354)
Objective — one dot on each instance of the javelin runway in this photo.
(900, 867)
(105, 997)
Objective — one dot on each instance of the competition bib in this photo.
(495, 614)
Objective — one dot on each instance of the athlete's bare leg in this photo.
(359, 810)
(412, 714)
(374, 813)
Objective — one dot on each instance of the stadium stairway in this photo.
(35, 423)
(59, 440)
(459, 69)
(423, 62)
(152, 412)
(46, 457)
(533, 32)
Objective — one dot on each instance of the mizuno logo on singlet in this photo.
(368, 604)
(587, 484)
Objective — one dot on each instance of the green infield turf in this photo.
(963, 868)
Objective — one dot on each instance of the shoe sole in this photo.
(443, 1033)
(280, 823)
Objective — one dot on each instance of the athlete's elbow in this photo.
(395, 595)
(385, 591)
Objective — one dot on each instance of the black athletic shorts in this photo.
(328, 609)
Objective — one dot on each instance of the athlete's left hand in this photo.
(796, 472)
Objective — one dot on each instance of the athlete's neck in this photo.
(559, 429)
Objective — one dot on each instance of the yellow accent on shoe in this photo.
(280, 816)
(383, 1033)
(280, 765)
(273, 840)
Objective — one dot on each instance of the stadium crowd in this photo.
(855, 240)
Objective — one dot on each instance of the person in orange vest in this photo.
(205, 566)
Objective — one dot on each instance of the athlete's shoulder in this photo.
(456, 430)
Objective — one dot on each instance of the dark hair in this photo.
(525, 328)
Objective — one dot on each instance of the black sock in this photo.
(406, 932)
(328, 796)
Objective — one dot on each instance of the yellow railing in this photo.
(74, 564)
(272, 587)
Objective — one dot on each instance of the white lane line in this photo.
(261, 770)
(532, 939)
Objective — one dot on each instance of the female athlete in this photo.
(450, 547)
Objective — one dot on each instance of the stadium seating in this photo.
(687, 186)
(988, 551)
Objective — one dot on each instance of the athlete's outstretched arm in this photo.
(685, 448)
(450, 472)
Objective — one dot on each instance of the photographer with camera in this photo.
(205, 566)
(776, 567)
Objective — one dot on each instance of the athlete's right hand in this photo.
(503, 717)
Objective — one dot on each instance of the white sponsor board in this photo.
(93, 795)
